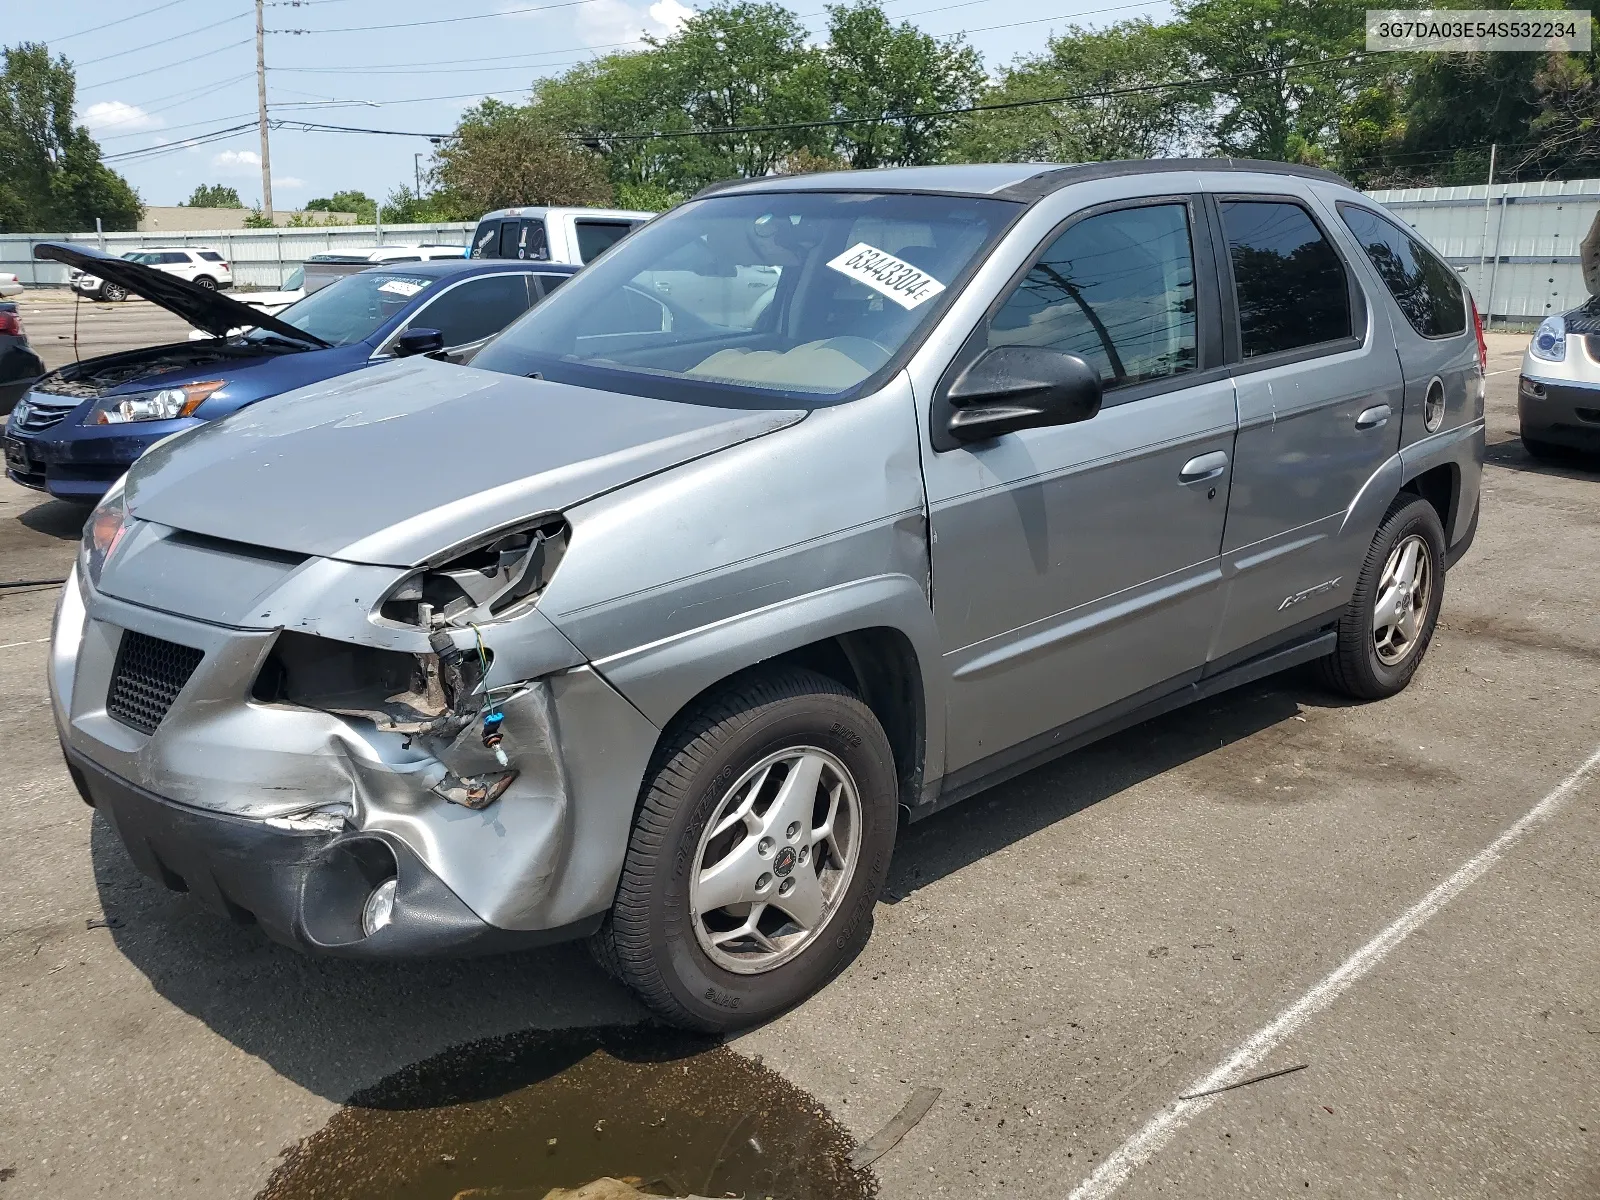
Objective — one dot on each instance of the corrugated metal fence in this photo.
(1525, 235)
(259, 257)
(1518, 253)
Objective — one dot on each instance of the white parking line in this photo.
(35, 642)
(1159, 1130)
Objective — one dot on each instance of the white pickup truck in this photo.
(563, 235)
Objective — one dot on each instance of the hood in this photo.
(395, 463)
(1589, 255)
(203, 308)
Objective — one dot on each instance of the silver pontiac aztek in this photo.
(816, 501)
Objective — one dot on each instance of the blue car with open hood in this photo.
(80, 427)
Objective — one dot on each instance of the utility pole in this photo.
(1483, 248)
(416, 167)
(261, 111)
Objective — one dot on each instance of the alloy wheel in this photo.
(1404, 590)
(776, 857)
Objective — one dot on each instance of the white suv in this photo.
(200, 265)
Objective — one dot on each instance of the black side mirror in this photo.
(418, 341)
(1021, 387)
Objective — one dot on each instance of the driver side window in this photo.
(1117, 289)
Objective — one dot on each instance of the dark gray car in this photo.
(816, 501)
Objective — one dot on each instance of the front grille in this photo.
(42, 414)
(148, 676)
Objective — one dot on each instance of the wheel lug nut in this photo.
(786, 887)
(764, 847)
(794, 830)
(763, 883)
(805, 853)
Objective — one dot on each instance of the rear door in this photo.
(1319, 399)
(1432, 327)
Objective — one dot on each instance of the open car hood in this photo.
(203, 308)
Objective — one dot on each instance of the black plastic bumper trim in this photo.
(305, 890)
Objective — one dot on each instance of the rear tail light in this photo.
(10, 323)
(1483, 347)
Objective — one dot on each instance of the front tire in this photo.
(761, 846)
(112, 293)
(1386, 628)
(206, 282)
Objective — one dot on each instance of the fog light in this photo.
(379, 908)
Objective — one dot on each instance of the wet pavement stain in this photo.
(513, 1117)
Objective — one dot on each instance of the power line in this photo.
(838, 122)
(1106, 94)
(108, 24)
(89, 62)
(164, 66)
(508, 12)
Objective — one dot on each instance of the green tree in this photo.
(503, 155)
(733, 64)
(51, 176)
(876, 70)
(214, 195)
(1270, 101)
(363, 205)
(1091, 125)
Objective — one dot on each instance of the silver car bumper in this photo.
(289, 817)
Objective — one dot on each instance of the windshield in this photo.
(798, 295)
(351, 309)
(295, 281)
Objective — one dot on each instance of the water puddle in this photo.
(512, 1118)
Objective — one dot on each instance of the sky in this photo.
(153, 74)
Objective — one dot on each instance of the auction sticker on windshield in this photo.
(403, 287)
(881, 271)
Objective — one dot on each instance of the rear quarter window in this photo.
(1426, 289)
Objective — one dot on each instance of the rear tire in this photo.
(716, 809)
(1385, 630)
(206, 282)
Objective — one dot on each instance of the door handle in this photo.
(1204, 467)
(1375, 417)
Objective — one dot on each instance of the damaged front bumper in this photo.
(289, 816)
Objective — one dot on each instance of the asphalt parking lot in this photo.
(1063, 956)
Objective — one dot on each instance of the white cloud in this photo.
(670, 15)
(114, 116)
(288, 181)
(607, 22)
(237, 162)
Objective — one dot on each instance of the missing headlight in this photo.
(433, 694)
(484, 582)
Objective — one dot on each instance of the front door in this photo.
(1319, 413)
(1075, 567)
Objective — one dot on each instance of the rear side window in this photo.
(475, 309)
(549, 283)
(1116, 289)
(210, 256)
(522, 239)
(1425, 288)
(176, 257)
(1289, 280)
(596, 237)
